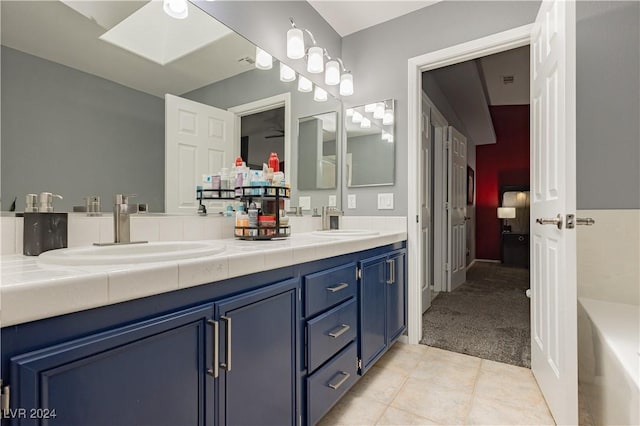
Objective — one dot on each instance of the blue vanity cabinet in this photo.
(152, 372)
(382, 305)
(258, 373)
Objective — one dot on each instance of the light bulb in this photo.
(304, 85)
(390, 138)
(315, 61)
(349, 112)
(264, 61)
(388, 117)
(379, 111)
(319, 95)
(332, 73)
(357, 117)
(385, 136)
(295, 44)
(286, 73)
(369, 107)
(178, 9)
(346, 84)
(365, 124)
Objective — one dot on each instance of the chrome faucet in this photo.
(330, 218)
(122, 212)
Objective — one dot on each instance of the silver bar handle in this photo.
(585, 221)
(227, 365)
(213, 371)
(343, 329)
(391, 279)
(339, 287)
(557, 221)
(345, 377)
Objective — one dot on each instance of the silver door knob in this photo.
(557, 221)
(585, 221)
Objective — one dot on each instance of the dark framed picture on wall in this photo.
(470, 185)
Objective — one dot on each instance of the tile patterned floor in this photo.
(421, 385)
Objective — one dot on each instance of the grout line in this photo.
(473, 393)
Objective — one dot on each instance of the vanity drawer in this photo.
(328, 384)
(330, 332)
(328, 288)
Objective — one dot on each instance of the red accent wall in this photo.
(503, 163)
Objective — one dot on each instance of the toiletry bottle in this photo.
(274, 162)
(253, 215)
(43, 229)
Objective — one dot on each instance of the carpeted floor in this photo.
(487, 317)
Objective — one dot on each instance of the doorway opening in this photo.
(261, 134)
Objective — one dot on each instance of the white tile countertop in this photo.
(31, 290)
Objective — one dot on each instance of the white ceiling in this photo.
(70, 35)
(347, 17)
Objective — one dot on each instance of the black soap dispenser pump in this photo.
(44, 229)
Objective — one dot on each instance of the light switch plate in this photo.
(385, 201)
(332, 200)
(305, 203)
(351, 201)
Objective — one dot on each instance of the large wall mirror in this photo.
(83, 100)
(370, 159)
(317, 148)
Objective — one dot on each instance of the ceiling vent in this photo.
(507, 79)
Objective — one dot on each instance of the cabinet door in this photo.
(149, 373)
(396, 301)
(372, 310)
(258, 378)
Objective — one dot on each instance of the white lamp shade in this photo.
(349, 112)
(264, 61)
(506, 212)
(315, 61)
(319, 95)
(286, 73)
(295, 44)
(379, 111)
(388, 117)
(357, 117)
(332, 73)
(365, 123)
(178, 9)
(369, 107)
(304, 85)
(346, 84)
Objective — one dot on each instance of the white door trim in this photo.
(506, 40)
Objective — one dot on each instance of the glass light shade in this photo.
(365, 123)
(390, 138)
(385, 136)
(388, 117)
(332, 73)
(349, 112)
(295, 43)
(178, 9)
(304, 85)
(264, 61)
(506, 212)
(369, 107)
(319, 95)
(315, 61)
(379, 112)
(346, 84)
(286, 73)
(357, 117)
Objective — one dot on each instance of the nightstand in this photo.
(515, 249)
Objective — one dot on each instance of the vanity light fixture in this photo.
(315, 60)
(379, 111)
(295, 43)
(357, 117)
(264, 61)
(365, 123)
(369, 107)
(349, 112)
(385, 135)
(332, 74)
(319, 95)
(178, 9)
(388, 117)
(346, 84)
(286, 73)
(304, 85)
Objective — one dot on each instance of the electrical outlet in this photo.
(385, 201)
(304, 203)
(332, 200)
(351, 201)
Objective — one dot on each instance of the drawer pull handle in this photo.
(227, 365)
(345, 377)
(213, 371)
(343, 329)
(339, 287)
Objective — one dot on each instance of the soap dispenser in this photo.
(44, 229)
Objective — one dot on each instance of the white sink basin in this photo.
(131, 253)
(346, 233)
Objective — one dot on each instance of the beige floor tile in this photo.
(403, 361)
(446, 373)
(381, 384)
(467, 360)
(486, 411)
(517, 390)
(395, 417)
(354, 410)
(434, 402)
(418, 349)
(501, 368)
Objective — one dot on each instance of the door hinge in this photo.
(358, 273)
(446, 266)
(445, 205)
(5, 396)
(359, 363)
(417, 218)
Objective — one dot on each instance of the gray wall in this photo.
(309, 133)
(370, 157)
(608, 99)
(76, 128)
(378, 57)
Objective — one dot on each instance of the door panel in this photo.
(372, 310)
(396, 308)
(425, 203)
(553, 252)
(458, 208)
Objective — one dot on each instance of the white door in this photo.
(199, 140)
(425, 202)
(553, 195)
(457, 208)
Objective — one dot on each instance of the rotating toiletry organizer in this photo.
(266, 204)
